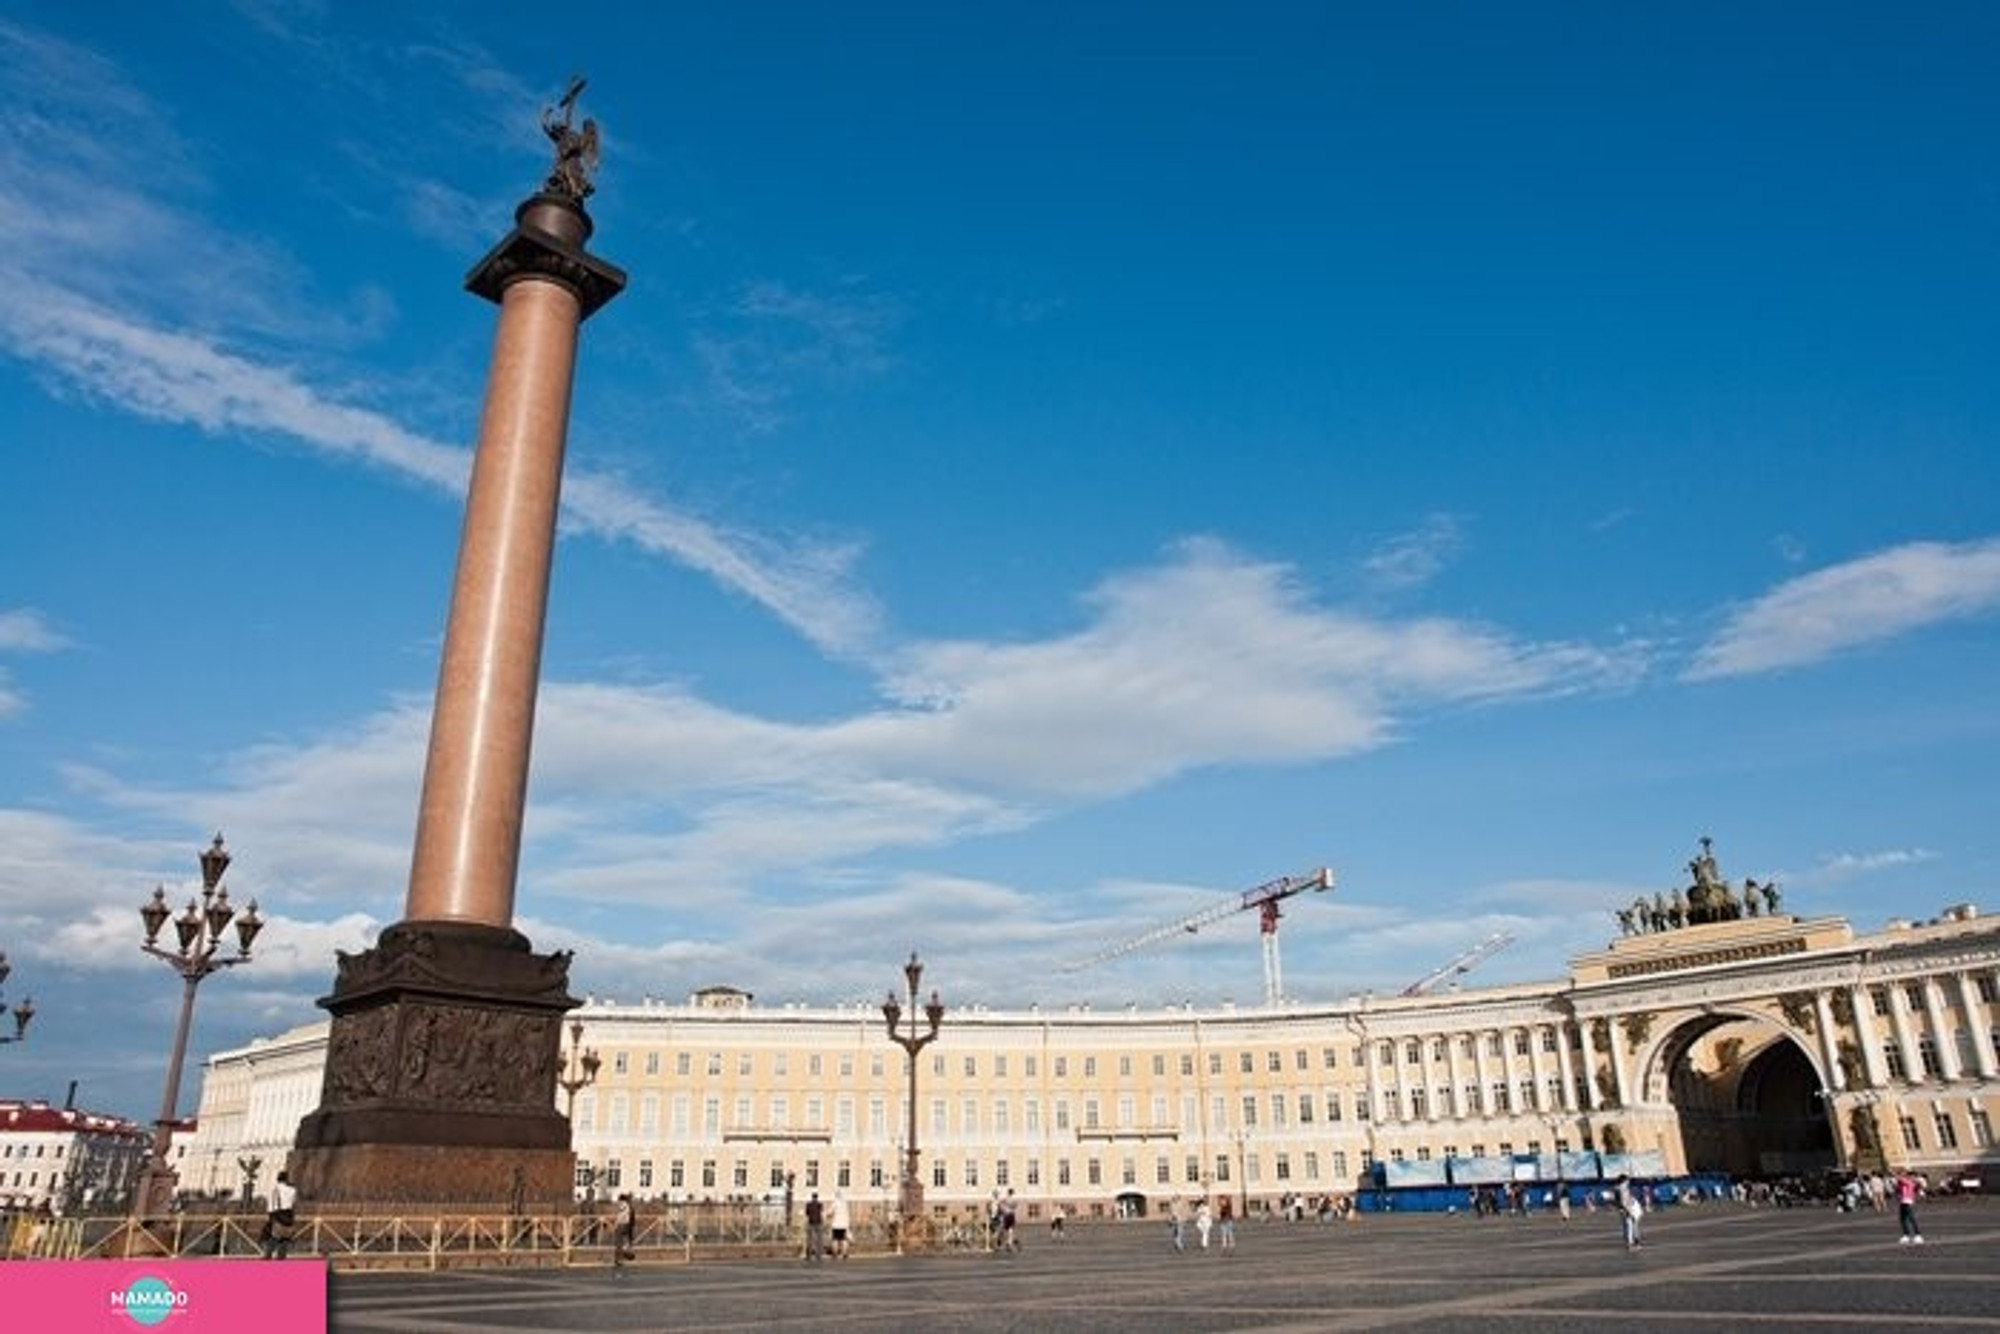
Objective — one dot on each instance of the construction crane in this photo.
(1265, 898)
(1463, 964)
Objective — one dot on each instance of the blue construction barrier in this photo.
(1528, 1183)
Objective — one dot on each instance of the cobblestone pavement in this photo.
(1709, 1267)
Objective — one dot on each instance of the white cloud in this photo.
(184, 378)
(1841, 866)
(74, 201)
(288, 949)
(1873, 598)
(1207, 658)
(25, 630)
(1415, 558)
(645, 795)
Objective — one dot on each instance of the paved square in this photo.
(1708, 1267)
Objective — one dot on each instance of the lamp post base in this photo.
(153, 1196)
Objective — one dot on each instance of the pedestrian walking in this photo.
(1226, 1220)
(840, 1221)
(1056, 1223)
(815, 1230)
(624, 1224)
(1907, 1191)
(39, 1230)
(1177, 1223)
(1203, 1222)
(1630, 1210)
(280, 1218)
(1010, 1217)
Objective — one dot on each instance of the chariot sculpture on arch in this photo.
(1710, 898)
(576, 147)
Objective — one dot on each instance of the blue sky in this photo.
(1051, 471)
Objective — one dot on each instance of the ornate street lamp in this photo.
(22, 1012)
(580, 1064)
(249, 1167)
(198, 935)
(910, 1198)
(579, 1071)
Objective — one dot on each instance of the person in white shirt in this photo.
(280, 1218)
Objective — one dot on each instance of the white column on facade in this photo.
(1486, 1107)
(1510, 1071)
(1396, 1054)
(1862, 1000)
(1829, 1049)
(1452, 1042)
(1906, 1037)
(1940, 1026)
(1431, 1110)
(1373, 1090)
(1982, 1036)
(1536, 1071)
(1618, 1064)
(1568, 1100)
(1589, 1063)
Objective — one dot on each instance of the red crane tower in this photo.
(1265, 898)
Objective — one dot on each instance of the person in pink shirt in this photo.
(1906, 1208)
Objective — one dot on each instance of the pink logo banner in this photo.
(173, 1296)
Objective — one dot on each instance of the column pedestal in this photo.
(440, 1074)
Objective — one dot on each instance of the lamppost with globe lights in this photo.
(910, 1198)
(580, 1065)
(579, 1071)
(22, 1012)
(198, 931)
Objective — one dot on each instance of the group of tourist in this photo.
(1217, 1220)
(823, 1219)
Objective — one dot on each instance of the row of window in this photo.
(1127, 1065)
(707, 1174)
(1412, 1051)
(1927, 1054)
(1945, 1130)
(1001, 1116)
(1305, 1166)
(1987, 988)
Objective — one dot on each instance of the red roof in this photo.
(39, 1117)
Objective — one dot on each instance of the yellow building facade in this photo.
(1764, 1045)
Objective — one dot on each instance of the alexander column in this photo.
(441, 1065)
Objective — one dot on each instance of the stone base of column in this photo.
(441, 1075)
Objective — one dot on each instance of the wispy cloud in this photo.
(645, 794)
(1841, 866)
(26, 630)
(186, 379)
(23, 630)
(1417, 557)
(1873, 598)
(1206, 658)
(776, 342)
(102, 344)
